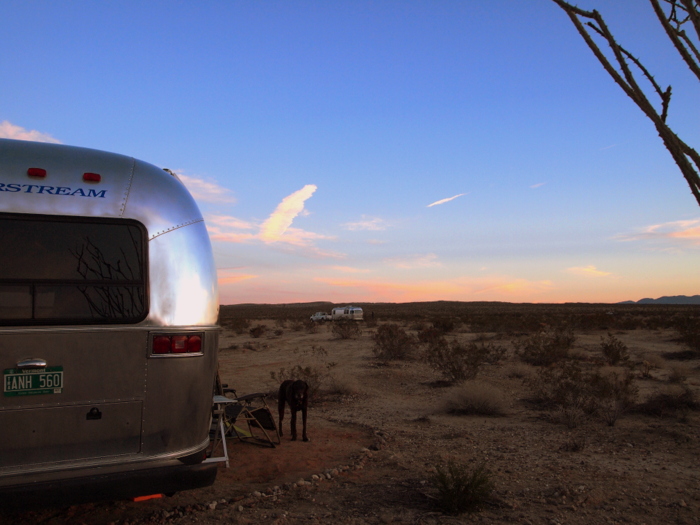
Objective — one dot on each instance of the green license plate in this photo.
(18, 382)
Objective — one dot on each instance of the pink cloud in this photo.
(12, 131)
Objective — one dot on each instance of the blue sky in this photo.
(316, 135)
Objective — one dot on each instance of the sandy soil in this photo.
(377, 431)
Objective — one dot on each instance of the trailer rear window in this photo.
(62, 270)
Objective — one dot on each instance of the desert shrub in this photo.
(257, 331)
(614, 350)
(613, 394)
(564, 387)
(545, 348)
(316, 374)
(238, 325)
(444, 324)
(673, 401)
(455, 361)
(371, 322)
(310, 327)
(297, 325)
(281, 322)
(574, 444)
(346, 329)
(278, 332)
(392, 342)
(689, 331)
(475, 398)
(429, 335)
(460, 489)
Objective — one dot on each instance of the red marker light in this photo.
(92, 177)
(36, 172)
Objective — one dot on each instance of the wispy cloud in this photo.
(349, 269)
(679, 232)
(276, 230)
(538, 185)
(366, 223)
(587, 271)
(206, 190)
(12, 131)
(429, 260)
(232, 278)
(277, 224)
(443, 201)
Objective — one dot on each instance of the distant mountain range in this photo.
(676, 299)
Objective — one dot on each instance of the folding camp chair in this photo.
(252, 412)
(219, 428)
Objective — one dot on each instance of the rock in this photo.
(212, 505)
(240, 508)
(257, 494)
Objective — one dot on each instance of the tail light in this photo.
(173, 344)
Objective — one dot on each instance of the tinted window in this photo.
(71, 271)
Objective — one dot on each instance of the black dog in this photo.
(296, 393)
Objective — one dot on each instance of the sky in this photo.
(378, 151)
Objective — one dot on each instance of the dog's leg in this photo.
(281, 400)
(294, 424)
(303, 420)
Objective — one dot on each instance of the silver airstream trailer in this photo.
(108, 337)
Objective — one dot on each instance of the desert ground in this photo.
(579, 414)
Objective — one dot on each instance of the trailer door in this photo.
(73, 365)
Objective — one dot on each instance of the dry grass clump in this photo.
(342, 385)
(546, 347)
(673, 401)
(678, 374)
(518, 371)
(461, 489)
(651, 362)
(392, 342)
(475, 399)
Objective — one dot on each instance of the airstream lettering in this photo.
(108, 336)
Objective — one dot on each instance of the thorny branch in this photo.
(681, 12)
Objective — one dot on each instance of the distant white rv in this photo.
(347, 312)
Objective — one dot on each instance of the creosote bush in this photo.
(677, 400)
(457, 361)
(392, 342)
(316, 374)
(461, 489)
(346, 329)
(564, 387)
(613, 394)
(257, 331)
(614, 350)
(545, 348)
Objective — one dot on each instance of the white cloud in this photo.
(277, 224)
(206, 190)
(366, 223)
(443, 201)
(11, 131)
(538, 185)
